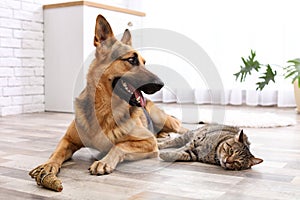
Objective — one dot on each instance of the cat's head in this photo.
(234, 153)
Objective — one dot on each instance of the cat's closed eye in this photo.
(237, 164)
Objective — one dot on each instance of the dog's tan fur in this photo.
(103, 120)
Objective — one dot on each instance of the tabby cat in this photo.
(214, 144)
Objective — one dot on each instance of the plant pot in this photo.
(297, 96)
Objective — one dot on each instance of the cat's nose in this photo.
(228, 160)
(225, 160)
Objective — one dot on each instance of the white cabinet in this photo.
(69, 35)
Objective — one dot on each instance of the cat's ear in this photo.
(255, 161)
(241, 136)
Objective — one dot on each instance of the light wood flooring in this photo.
(28, 140)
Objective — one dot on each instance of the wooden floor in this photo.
(28, 140)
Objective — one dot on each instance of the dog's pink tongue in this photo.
(138, 94)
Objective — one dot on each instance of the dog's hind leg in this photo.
(64, 150)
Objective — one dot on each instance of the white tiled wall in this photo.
(21, 57)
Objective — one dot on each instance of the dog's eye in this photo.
(133, 60)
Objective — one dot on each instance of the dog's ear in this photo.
(126, 39)
(103, 31)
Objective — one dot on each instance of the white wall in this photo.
(228, 30)
(21, 57)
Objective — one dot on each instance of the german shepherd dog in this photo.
(111, 114)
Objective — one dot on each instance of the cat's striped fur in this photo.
(214, 144)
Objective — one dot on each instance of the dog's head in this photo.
(122, 68)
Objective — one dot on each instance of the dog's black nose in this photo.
(153, 86)
(157, 85)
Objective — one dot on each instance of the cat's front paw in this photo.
(168, 156)
(161, 145)
(177, 156)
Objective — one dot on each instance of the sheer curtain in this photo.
(183, 84)
(250, 97)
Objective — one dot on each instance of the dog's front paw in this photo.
(162, 135)
(100, 168)
(47, 168)
(172, 124)
(45, 175)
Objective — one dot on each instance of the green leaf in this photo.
(293, 70)
(249, 64)
(290, 74)
(295, 61)
(289, 68)
(294, 79)
(268, 76)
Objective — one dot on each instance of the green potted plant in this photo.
(293, 71)
(268, 73)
